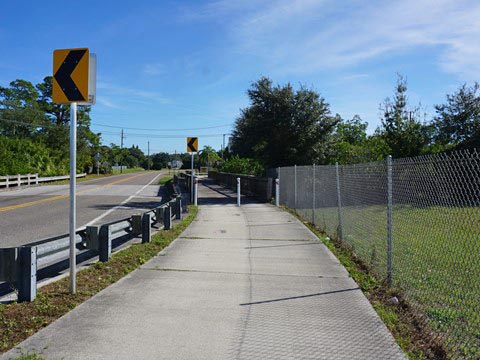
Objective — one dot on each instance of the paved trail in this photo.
(239, 283)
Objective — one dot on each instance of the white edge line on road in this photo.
(108, 212)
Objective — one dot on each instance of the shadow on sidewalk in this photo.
(299, 297)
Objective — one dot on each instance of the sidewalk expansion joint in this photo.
(242, 273)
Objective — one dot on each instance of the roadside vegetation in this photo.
(284, 126)
(20, 320)
(34, 135)
(434, 265)
(165, 180)
(245, 166)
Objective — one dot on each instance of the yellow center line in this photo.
(59, 197)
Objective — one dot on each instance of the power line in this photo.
(116, 127)
(123, 134)
(161, 136)
(146, 129)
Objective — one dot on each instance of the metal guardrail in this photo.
(8, 181)
(19, 265)
(184, 180)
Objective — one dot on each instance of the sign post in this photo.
(74, 78)
(73, 198)
(97, 159)
(192, 147)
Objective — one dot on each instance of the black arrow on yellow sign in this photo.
(63, 75)
(192, 144)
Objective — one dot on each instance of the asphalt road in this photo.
(36, 213)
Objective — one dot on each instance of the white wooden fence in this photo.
(9, 181)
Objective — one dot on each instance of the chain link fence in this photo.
(415, 223)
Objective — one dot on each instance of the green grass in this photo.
(29, 356)
(164, 180)
(436, 263)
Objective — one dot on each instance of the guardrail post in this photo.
(389, 219)
(178, 208)
(167, 218)
(28, 179)
(19, 180)
(137, 225)
(277, 192)
(36, 179)
(159, 214)
(8, 264)
(238, 191)
(146, 228)
(27, 282)
(7, 182)
(92, 237)
(105, 243)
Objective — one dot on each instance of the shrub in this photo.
(245, 166)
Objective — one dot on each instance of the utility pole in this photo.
(121, 155)
(148, 156)
(223, 148)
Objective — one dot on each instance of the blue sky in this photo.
(187, 64)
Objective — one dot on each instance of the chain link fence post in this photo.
(339, 201)
(278, 178)
(295, 186)
(313, 194)
(389, 219)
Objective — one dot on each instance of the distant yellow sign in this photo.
(192, 144)
(70, 75)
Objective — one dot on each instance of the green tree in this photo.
(245, 166)
(457, 122)
(20, 114)
(401, 128)
(282, 126)
(349, 142)
(208, 156)
(160, 160)
(135, 157)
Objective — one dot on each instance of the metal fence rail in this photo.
(258, 187)
(19, 265)
(415, 223)
(9, 181)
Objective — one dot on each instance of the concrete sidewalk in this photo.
(240, 283)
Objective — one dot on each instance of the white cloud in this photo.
(127, 93)
(108, 103)
(154, 69)
(305, 36)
